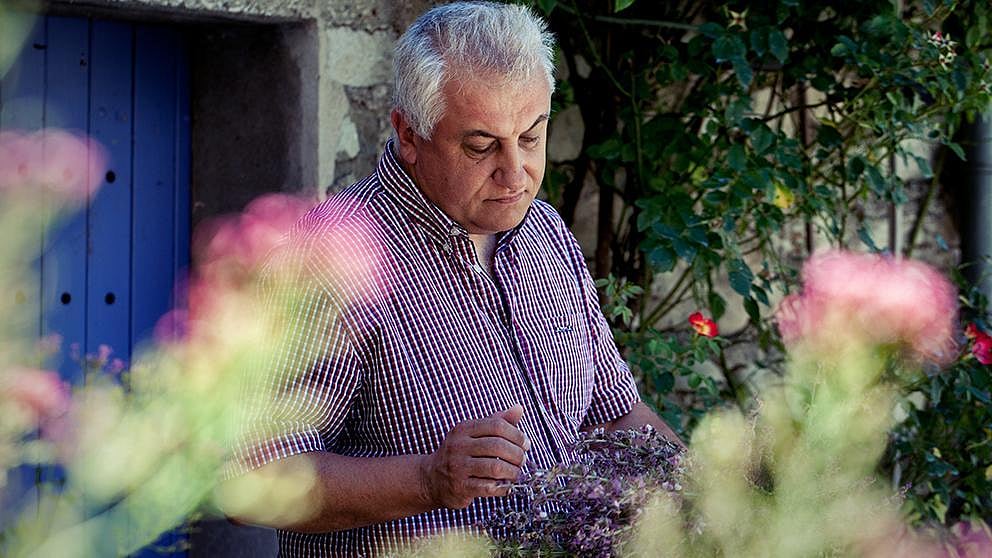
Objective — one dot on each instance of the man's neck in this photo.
(485, 245)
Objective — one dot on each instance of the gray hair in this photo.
(464, 38)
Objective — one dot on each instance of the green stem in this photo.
(657, 312)
(921, 213)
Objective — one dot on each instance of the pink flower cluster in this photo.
(66, 164)
(871, 299)
(40, 393)
(230, 251)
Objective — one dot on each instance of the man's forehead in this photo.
(484, 107)
(478, 132)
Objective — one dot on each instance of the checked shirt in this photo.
(400, 334)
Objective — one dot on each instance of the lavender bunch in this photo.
(587, 507)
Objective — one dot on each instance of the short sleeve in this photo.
(300, 394)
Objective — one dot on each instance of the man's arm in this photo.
(639, 415)
(477, 458)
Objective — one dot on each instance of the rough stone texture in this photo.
(358, 58)
(247, 140)
(253, 10)
(565, 135)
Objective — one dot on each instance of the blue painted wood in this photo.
(128, 86)
(22, 94)
(153, 204)
(183, 177)
(63, 267)
(161, 146)
(108, 320)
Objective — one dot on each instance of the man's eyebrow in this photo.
(485, 134)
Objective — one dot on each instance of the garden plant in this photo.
(730, 144)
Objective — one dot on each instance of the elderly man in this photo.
(472, 345)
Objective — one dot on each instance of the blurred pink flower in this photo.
(69, 165)
(40, 392)
(971, 539)
(874, 299)
(241, 242)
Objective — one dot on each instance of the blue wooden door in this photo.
(109, 272)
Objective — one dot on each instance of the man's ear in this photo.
(404, 137)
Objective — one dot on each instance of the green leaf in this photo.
(547, 5)
(664, 382)
(759, 42)
(762, 138)
(876, 180)
(760, 294)
(838, 50)
(728, 47)
(665, 231)
(956, 148)
(744, 72)
(623, 4)
(736, 158)
(718, 306)
(698, 235)
(865, 237)
(751, 307)
(711, 30)
(778, 45)
(828, 136)
(609, 149)
(662, 258)
(924, 166)
(740, 277)
(684, 250)
(855, 167)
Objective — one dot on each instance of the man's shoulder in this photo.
(545, 214)
(345, 210)
(545, 221)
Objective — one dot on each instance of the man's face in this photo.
(485, 161)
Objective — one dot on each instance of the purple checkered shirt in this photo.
(428, 339)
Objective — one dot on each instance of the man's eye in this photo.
(481, 149)
(529, 140)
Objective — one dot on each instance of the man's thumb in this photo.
(513, 414)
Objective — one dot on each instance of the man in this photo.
(470, 344)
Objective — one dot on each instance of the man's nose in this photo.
(510, 173)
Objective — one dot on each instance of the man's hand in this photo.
(477, 458)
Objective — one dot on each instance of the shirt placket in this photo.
(495, 300)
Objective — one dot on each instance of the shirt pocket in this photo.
(569, 365)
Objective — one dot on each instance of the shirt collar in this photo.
(422, 211)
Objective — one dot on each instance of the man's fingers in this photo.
(497, 426)
(492, 446)
(487, 487)
(491, 468)
(513, 414)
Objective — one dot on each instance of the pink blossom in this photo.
(69, 165)
(873, 299)
(970, 540)
(39, 392)
(245, 240)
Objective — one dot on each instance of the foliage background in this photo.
(727, 141)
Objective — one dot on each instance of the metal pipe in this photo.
(976, 237)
